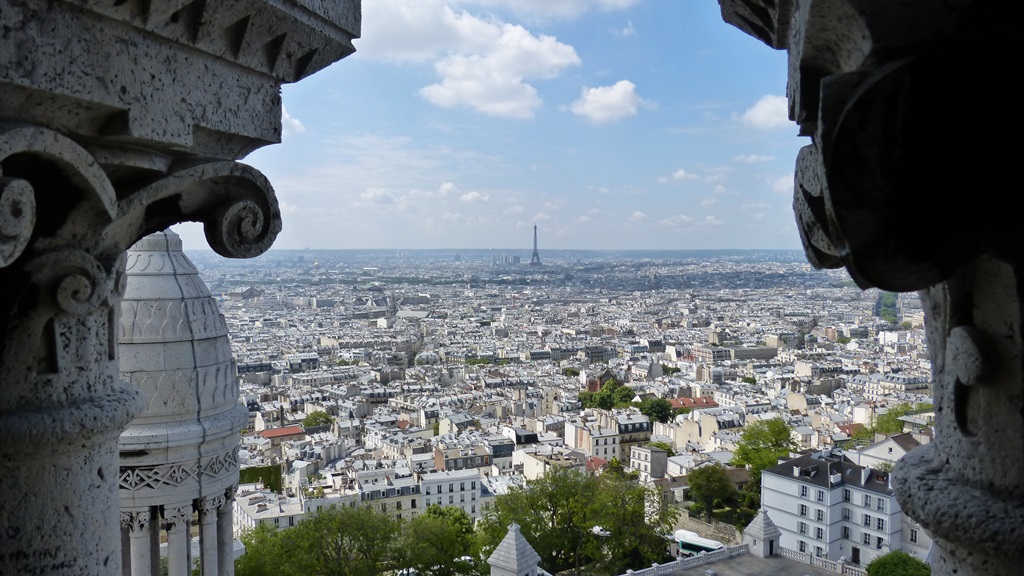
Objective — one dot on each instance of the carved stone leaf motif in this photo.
(135, 521)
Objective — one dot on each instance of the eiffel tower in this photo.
(535, 259)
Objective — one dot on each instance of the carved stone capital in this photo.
(177, 517)
(135, 520)
(209, 505)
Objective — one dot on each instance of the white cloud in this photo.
(377, 196)
(678, 176)
(608, 103)
(638, 216)
(473, 196)
(445, 188)
(783, 185)
(719, 189)
(769, 112)
(625, 32)
(541, 216)
(752, 158)
(483, 63)
(516, 209)
(553, 9)
(495, 82)
(676, 220)
(709, 201)
(712, 220)
(290, 124)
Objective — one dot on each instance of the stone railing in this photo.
(682, 564)
(830, 565)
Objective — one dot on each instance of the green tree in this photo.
(898, 563)
(862, 437)
(664, 446)
(565, 513)
(436, 542)
(657, 409)
(615, 468)
(761, 445)
(555, 514)
(708, 484)
(636, 522)
(264, 553)
(890, 423)
(571, 372)
(669, 370)
(317, 418)
(336, 541)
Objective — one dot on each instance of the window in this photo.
(383, 506)
(803, 546)
(803, 491)
(819, 533)
(428, 490)
(846, 514)
(846, 494)
(867, 539)
(880, 506)
(462, 497)
(803, 510)
(819, 515)
(821, 495)
(803, 528)
(413, 502)
(472, 485)
(880, 524)
(846, 532)
(474, 509)
(867, 521)
(451, 487)
(398, 505)
(913, 536)
(291, 520)
(878, 543)
(462, 485)
(451, 500)
(818, 551)
(867, 501)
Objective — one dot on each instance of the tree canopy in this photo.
(317, 418)
(708, 484)
(761, 445)
(664, 446)
(898, 563)
(436, 542)
(611, 395)
(565, 513)
(657, 409)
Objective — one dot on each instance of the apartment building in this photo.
(826, 505)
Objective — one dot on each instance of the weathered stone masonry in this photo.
(119, 118)
(904, 184)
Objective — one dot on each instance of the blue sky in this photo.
(611, 124)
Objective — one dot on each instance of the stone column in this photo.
(177, 522)
(890, 188)
(209, 535)
(225, 534)
(139, 525)
(119, 120)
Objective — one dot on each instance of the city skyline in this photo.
(618, 124)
